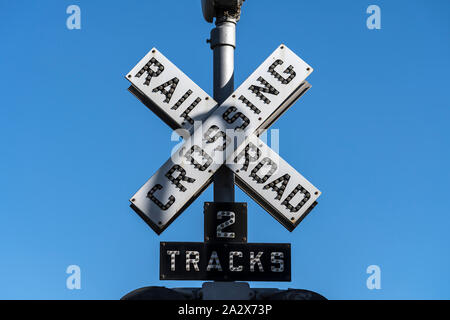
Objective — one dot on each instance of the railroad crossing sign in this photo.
(227, 135)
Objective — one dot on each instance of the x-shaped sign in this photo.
(277, 83)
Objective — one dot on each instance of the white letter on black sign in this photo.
(194, 261)
(214, 262)
(273, 259)
(172, 255)
(232, 255)
(257, 260)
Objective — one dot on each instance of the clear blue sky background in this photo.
(372, 134)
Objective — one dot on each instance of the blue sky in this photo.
(372, 134)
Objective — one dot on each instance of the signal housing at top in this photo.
(220, 8)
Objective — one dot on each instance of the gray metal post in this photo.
(223, 44)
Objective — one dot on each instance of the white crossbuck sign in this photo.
(277, 83)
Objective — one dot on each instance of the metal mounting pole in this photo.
(223, 44)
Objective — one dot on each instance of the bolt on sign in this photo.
(269, 91)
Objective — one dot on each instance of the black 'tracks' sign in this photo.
(225, 261)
